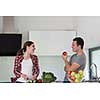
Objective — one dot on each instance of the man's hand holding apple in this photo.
(64, 55)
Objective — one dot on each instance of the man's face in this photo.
(75, 47)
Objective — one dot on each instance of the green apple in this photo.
(72, 73)
(80, 72)
(82, 76)
(77, 76)
(77, 81)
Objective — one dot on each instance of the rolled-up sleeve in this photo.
(36, 66)
(17, 67)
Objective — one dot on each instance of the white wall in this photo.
(1, 24)
(25, 24)
(6, 68)
(89, 28)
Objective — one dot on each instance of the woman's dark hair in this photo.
(79, 41)
(21, 51)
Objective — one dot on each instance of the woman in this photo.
(26, 64)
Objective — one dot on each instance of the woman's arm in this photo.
(17, 67)
(36, 67)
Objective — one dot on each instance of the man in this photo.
(78, 60)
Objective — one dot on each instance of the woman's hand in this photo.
(24, 76)
(34, 77)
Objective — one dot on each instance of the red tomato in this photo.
(39, 81)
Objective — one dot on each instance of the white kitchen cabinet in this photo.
(52, 42)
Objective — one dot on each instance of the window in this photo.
(94, 60)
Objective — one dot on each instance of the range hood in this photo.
(8, 24)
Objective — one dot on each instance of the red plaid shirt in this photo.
(18, 66)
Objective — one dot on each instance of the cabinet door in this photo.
(52, 42)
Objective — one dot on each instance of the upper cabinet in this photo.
(52, 42)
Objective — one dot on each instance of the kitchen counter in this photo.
(92, 81)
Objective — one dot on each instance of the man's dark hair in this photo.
(79, 41)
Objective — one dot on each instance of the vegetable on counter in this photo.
(48, 77)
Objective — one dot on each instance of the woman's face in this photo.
(31, 48)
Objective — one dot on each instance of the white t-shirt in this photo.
(26, 69)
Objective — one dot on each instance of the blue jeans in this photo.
(66, 80)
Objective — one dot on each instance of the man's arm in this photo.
(72, 67)
(68, 66)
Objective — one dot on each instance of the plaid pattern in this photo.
(17, 65)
